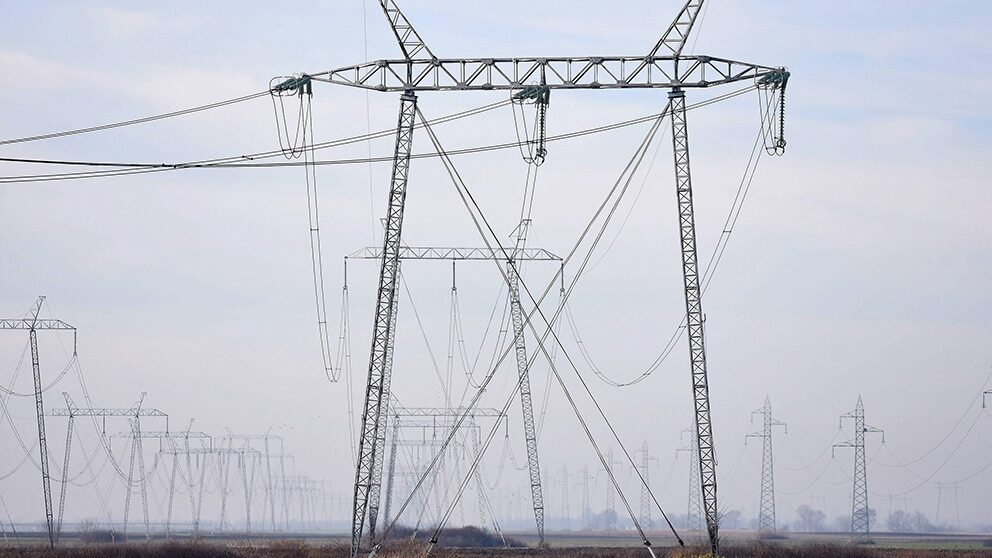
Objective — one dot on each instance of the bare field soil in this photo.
(295, 549)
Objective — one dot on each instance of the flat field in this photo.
(298, 549)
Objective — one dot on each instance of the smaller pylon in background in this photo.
(985, 396)
(646, 521)
(766, 513)
(583, 478)
(860, 524)
(694, 520)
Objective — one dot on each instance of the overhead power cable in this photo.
(142, 120)
(252, 160)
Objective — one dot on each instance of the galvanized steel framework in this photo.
(33, 324)
(664, 67)
(860, 517)
(766, 512)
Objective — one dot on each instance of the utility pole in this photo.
(694, 517)
(766, 514)
(663, 67)
(860, 528)
(646, 460)
(33, 323)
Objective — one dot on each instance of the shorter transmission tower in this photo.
(860, 524)
(953, 488)
(694, 520)
(766, 513)
(646, 460)
(33, 324)
(985, 395)
(133, 414)
(583, 478)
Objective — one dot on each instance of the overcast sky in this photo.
(859, 264)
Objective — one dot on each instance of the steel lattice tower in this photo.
(766, 513)
(663, 67)
(33, 324)
(645, 512)
(694, 517)
(860, 527)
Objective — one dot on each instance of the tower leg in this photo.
(694, 314)
(46, 481)
(380, 438)
(526, 404)
(375, 394)
(391, 478)
(65, 479)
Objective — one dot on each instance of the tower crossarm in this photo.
(400, 412)
(446, 253)
(163, 435)
(36, 324)
(579, 72)
(104, 412)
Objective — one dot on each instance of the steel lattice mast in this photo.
(34, 324)
(694, 514)
(664, 67)
(519, 255)
(860, 524)
(133, 414)
(766, 511)
(646, 459)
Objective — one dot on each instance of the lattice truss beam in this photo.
(579, 72)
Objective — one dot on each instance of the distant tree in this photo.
(811, 520)
(842, 524)
(731, 520)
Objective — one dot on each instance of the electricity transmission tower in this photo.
(583, 478)
(457, 254)
(985, 395)
(663, 67)
(859, 504)
(646, 460)
(566, 508)
(694, 517)
(33, 324)
(766, 513)
(437, 420)
(137, 455)
(953, 488)
(172, 439)
(611, 503)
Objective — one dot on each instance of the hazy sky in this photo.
(859, 264)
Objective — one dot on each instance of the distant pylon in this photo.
(583, 482)
(766, 513)
(694, 520)
(611, 492)
(860, 527)
(646, 460)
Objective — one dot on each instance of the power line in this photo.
(142, 120)
(251, 160)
